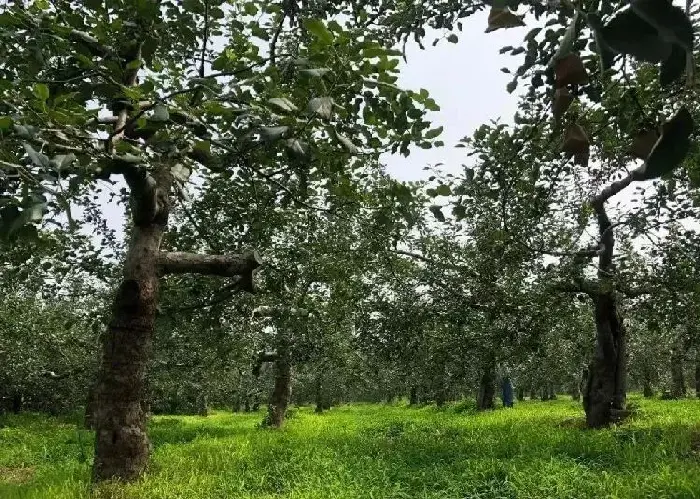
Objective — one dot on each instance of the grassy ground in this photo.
(536, 450)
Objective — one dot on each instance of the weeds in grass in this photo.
(531, 451)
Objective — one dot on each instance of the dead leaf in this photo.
(562, 101)
(503, 18)
(569, 70)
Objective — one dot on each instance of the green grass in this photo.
(536, 450)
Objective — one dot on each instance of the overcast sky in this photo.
(466, 81)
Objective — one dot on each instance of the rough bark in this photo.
(176, 262)
(17, 401)
(91, 399)
(678, 388)
(605, 389)
(320, 405)
(575, 391)
(281, 394)
(697, 371)
(647, 389)
(121, 443)
(202, 404)
(487, 388)
(440, 397)
(413, 396)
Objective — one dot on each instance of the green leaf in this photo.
(672, 147)
(250, 8)
(62, 160)
(512, 86)
(319, 30)
(296, 147)
(180, 172)
(530, 35)
(347, 143)
(5, 122)
(437, 212)
(431, 105)
(283, 103)
(443, 190)
(37, 158)
(373, 51)
(135, 64)
(459, 212)
(431, 134)
(322, 106)
(160, 113)
(453, 38)
(41, 91)
(273, 133)
(567, 42)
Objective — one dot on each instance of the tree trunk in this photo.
(575, 391)
(440, 397)
(487, 388)
(521, 393)
(281, 393)
(237, 406)
(17, 401)
(678, 389)
(413, 395)
(319, 395)
(697, 371)
(533, 393)
(121, 444)
(202, 404)
(605, 390)
(647, 389)
(89, 418)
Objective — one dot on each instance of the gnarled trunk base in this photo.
(280, 395)
(121, 444)
(605, 392)
(487, 388)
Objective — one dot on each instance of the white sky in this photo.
(466, 81)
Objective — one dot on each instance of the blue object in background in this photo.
(507, 392)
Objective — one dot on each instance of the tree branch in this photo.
(243, 265)
(206, 38)
(616, 187)
(578, 286)
(273, 43)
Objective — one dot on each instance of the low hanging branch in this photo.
(175, 262)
